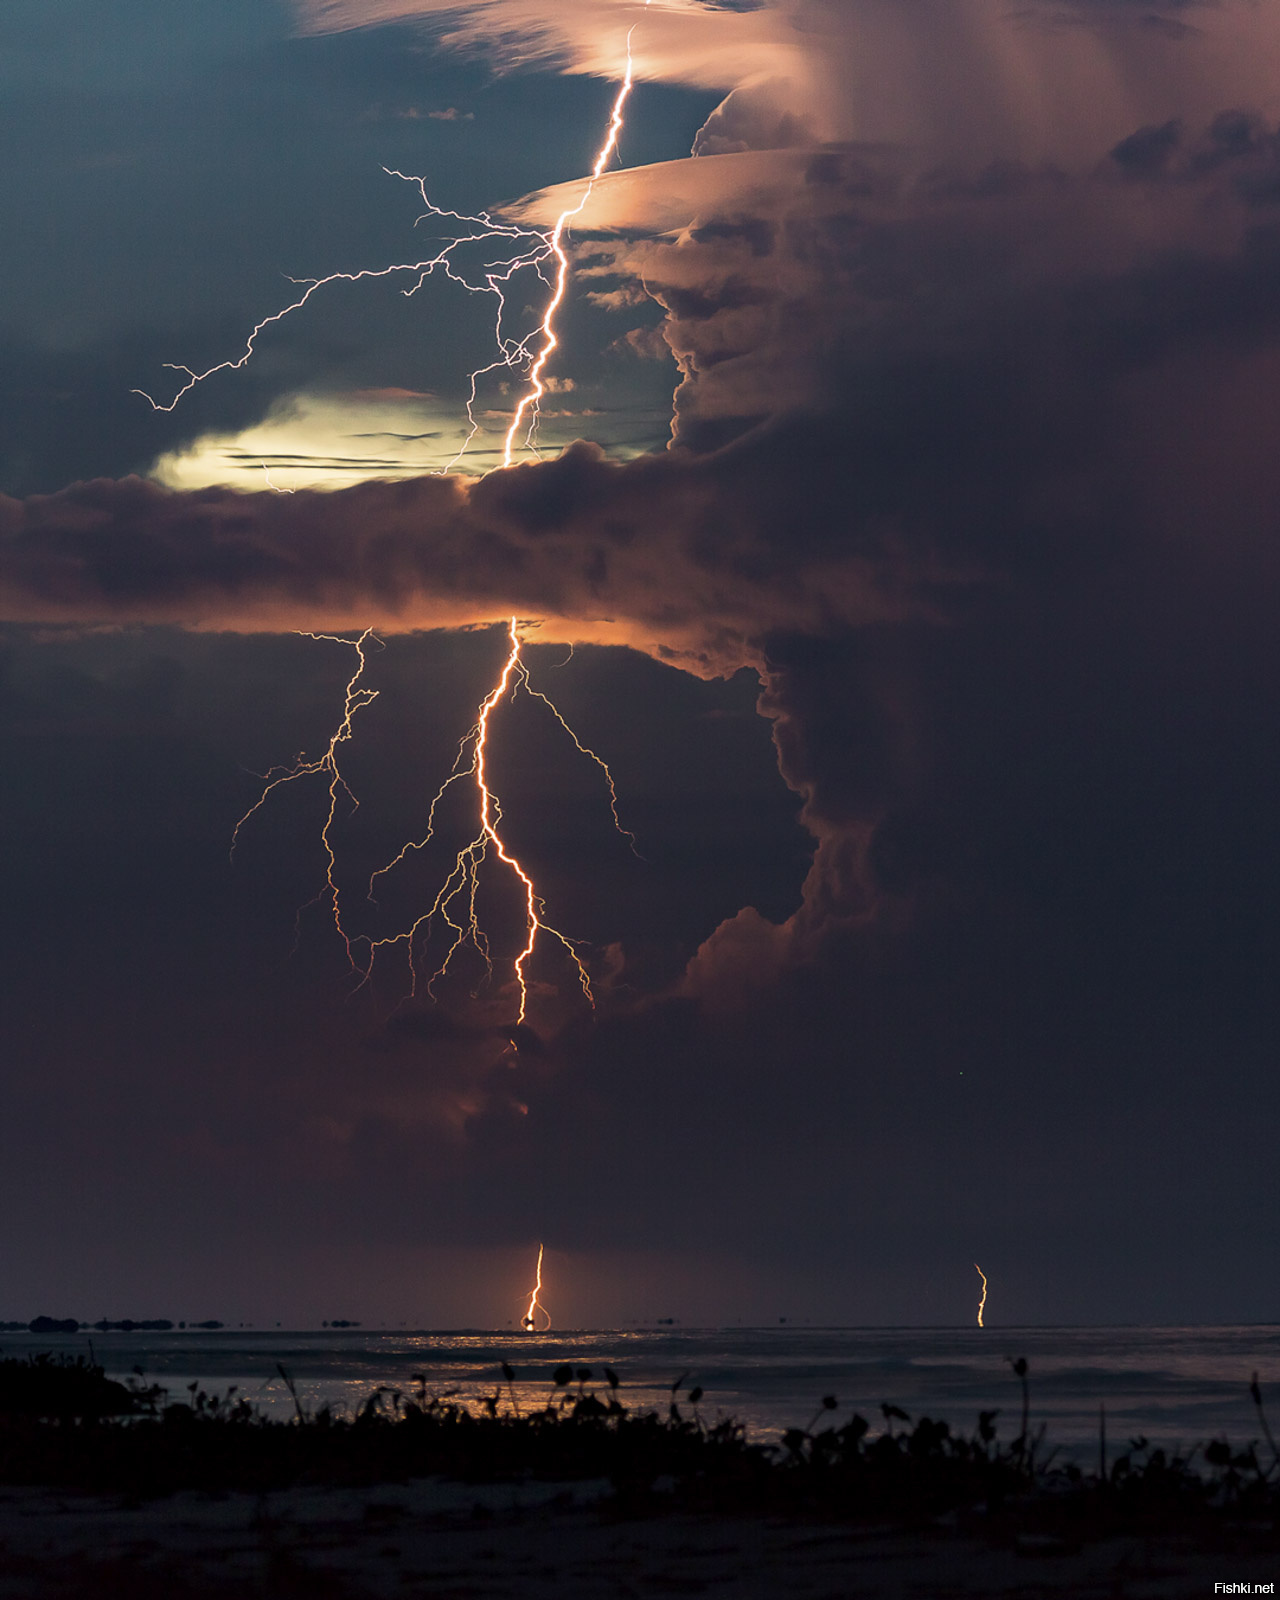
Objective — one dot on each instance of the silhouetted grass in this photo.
(61, 1423)
(60, 1387)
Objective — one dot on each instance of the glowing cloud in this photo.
(685, 41)
(527, 249)
(523, 250)
(322, 441)
(950, 79)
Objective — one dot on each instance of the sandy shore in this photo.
(538, 1541)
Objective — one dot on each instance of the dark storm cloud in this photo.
(162, 1033)
(978, 468)
(990, 397)
(1022, 388)
(663, 552)
(933, 382)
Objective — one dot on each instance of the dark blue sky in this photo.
(166, 169)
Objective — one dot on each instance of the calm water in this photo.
(1171, 1384)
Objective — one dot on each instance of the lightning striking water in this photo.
(529, 1322)
(982, 1304)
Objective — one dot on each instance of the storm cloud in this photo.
(914, 413)
(972, 465)
(1052, 79)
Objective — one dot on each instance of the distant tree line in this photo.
(105, 1325)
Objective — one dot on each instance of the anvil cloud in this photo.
(1051, 78)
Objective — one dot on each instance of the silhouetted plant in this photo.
(144, 1443)
(1255, 1394)
(62, 1387)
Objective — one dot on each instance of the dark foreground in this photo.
(107, 1491)
(439, 1540)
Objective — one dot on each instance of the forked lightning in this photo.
(455, 902)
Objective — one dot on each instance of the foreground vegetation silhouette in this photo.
(63, 1422)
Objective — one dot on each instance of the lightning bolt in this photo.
(462, 882)
(355, 699)
(530, 401)
(982, 1304)
(275, 487)
(528, 249)
(455, 903)
(529, 1322)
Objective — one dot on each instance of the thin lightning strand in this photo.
(529, 249)
(982, 1304)
(529, 1322)
(586, 751)
(468, 861)
(355, 699)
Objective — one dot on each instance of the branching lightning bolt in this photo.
(462, 883)
(982, 1304)
(529, 1322)
(455, 902)
(528, 249)
(355, 699)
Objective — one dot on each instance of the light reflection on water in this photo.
(1173, 1385)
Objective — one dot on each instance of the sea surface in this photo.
(1169, 1385)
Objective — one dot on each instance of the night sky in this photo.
(930, 636)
